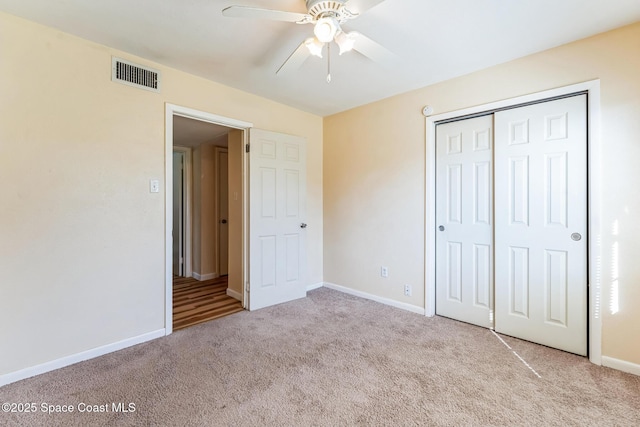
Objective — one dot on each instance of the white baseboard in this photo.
(314, 286)
(78, 357)
(387, 301)
(207, 276)
(621, 365)
(233, 294)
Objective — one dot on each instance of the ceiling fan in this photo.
(327, 17)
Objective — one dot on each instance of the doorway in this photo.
(274, 203)
(594, 227)
(200, 191)
(201, 133)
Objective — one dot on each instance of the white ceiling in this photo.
(192, 133)
(433, 40)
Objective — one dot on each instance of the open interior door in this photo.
(277, 229)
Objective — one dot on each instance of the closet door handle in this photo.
(441, 228)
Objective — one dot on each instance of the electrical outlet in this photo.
(384, 271)
(407, 290)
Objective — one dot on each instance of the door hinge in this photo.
(246, 148)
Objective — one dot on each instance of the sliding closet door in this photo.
(541, 223)
(464, 269)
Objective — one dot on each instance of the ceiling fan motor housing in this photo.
(333, 8)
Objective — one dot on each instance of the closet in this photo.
(511, 218)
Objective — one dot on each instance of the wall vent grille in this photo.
(135, 75)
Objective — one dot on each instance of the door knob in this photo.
(224, 221)
(576, 236)
(303, 225)
(441, 228)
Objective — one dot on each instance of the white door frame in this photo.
(594, 168)
(176, 110)
(187, 188)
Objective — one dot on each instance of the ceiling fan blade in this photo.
(295, 60)
(358, 7)
(257, 13)
(371, 49)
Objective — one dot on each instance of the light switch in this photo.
(154, 186)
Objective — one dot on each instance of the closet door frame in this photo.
(592, 88)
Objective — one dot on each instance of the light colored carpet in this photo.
(333, 359)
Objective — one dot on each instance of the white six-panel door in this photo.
(464, 253)
(541, 223)
(515, 208)
(277, 244)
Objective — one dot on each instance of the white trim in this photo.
(245, 222)
(78, 357)
(621, 365)
(510, 102)
(233, 294)
(430, 221)
(386, 301)
(207, 276)
(594, 210)
(594, 168)
(203, 116)
(314, 286)
(187, 191)
(170, 111)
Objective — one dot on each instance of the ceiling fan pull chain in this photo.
(328, 62)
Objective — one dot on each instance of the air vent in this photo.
(131, 74)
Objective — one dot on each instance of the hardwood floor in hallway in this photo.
(200, 301)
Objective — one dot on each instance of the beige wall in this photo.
(196, 212)
(374, 174)
(204, 238)
(236, 150)
(81, 237)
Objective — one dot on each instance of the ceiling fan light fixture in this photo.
(326, 29)
(345, 41)
(315, 46)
